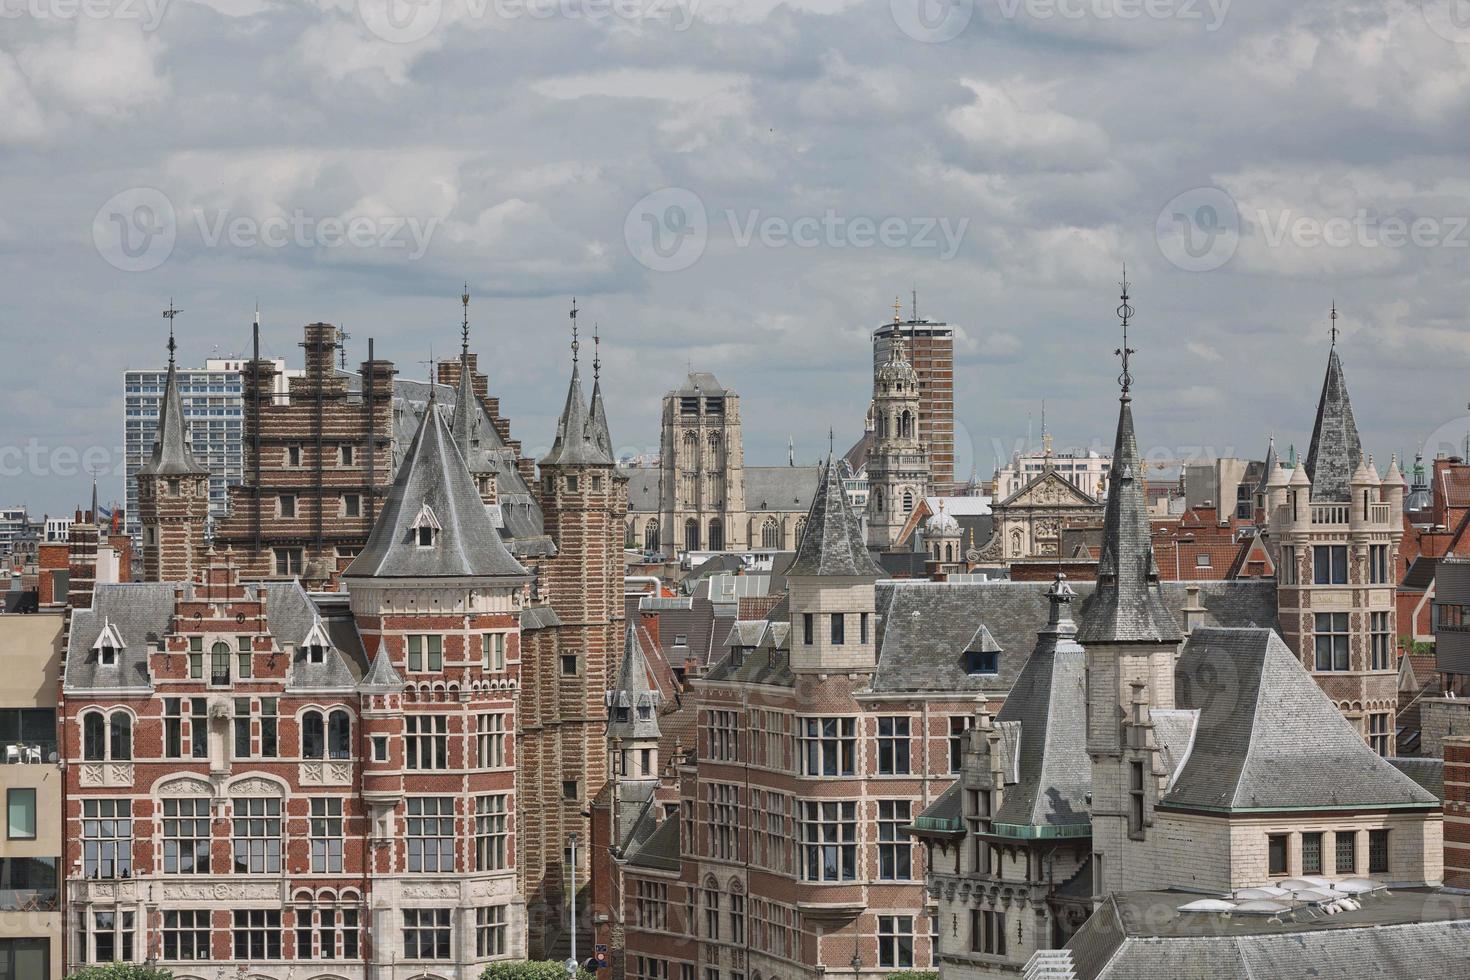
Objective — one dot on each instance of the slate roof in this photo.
(1427, 772)
(382, 675)
(434, 474)
(660, 852)
(1258, 707)
(597, 421)
(1126, 607)
(1336, 450)
(924, 626)
(575, 444)
(1408, 935)
(833, 543)
(1267, 465)
(781, 489)
(633, 693)
(1049, 703)
(171, 454)
(643, 489)
(702, 383)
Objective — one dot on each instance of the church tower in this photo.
(1131, 639)
(1336, 528)
(898, 466)
(173, 492)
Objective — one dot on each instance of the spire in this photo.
(1335, 450)
(171, 453)
(598, 422)
(1126, 606)
(434, 524)
(1269, 465)
(832, 542)
(96, 514)
(633, 700)
(575, 444)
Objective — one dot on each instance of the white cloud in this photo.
(105, 68)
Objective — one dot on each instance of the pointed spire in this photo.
(96, 514)
(1269, 466)
(598, 421)
(382, 675)
(1336, 449)
(633, 699)
(171, 453)
(575, 444)
(1126, 606)
(434, 489)
(832, 541)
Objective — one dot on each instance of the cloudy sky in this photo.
(744, 186)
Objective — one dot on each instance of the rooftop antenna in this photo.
(430, 363)
(1125, 380)
(831, 437)
(791, 450)
(342, 337)
(169, 315)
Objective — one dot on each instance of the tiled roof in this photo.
(634, 693)
(1258, 706)
(833, 543)
(1335, 451)
(643, 489)
(433, 479)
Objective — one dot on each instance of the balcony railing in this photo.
(1329, 513)
(29, 899)
(32, 753)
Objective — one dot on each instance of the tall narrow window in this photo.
(326, 835)
(895, 853)
(893, 746)
(1276, 854)
(313, 735)
(242, 728)
(807, 628)
(219, 664)
(94, 737)
(1312, 853)
(173, 728)
(268, 720)
(839, 629)
(1135, 798)
(199, 728)
(339, 735)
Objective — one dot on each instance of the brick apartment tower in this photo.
(898, 466)
(173, 495)
(1335, 528)
(318, 464)
(930, 348)
(567, 671)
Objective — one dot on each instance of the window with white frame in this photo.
(186, 836)
(895, 852)
(425, 651)
(492, 647)
(1331, 641)
(828, 840)
(426, 934)
(110, 937)
(426, 741)
(491, 931)
(257, 934)
(490, 740)
(651, 905)
(326, 835)
(492, 832)
(107, 838)
(430, 827)
(186, 935)
(1380, 641)
(896, 940)
(256, 835)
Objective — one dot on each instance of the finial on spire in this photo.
(576, 344)
(257, 312)
(464, 326)
(596, 350)
(914, 309)
(1125, 380)
(897, 306)
(169, 315)
(1334, 323)
(831, 438)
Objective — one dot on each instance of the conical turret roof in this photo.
(633, 699)
(832, 542)
(171, 453)
(1336, 450)
(576, 444)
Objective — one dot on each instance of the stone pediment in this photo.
(1049, 489)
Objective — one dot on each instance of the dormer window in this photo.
(982, 662)
(107, 654)
(109, 642)
(426, 527)
(316, 643)
(316, 654)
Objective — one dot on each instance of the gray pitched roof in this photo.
(597, 421)
(634, 699)
(1258, 707)
(779, 489)
(575, 444)
(924, 627)
(171, 454)
(1049, 703)
(701, 383)
(382, 676)
(660, 851)
(1408, 935)
(434, 474)
(1268, 465)
(1126, 606)
(141, 612)
(644, 489)
(1336, 450)
(833, 542)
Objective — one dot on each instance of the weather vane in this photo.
(576, 344)
(1124, 312)
(1334, 323)
(464, 327)
(169, 315)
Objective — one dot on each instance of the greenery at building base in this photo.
(531, 970)
(121, 971)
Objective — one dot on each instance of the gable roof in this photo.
(833, 542)
(1258, 707)
(1336, 450)
(434, 475)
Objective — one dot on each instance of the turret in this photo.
(831, 584)
(1365, 484)
(633, 705)
(1392, 491)
(1299, 499)
(898, 465)
(173, 491)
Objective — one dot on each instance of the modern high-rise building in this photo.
(13, 523)
(214, 410)
(929, 345)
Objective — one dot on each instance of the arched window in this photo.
(800, 528)
(121, 725)
(716, 535)
(650, 536)
(313, 738)
(94, 737)
(949, 552)
(717, 450)
(219, 663)
(906, 425)
(770, 534)
(936, 552)
(339, 735)
(691, 535)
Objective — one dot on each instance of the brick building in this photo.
(264, 778)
